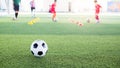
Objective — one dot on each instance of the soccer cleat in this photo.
(54, 20)
(97, 21)
(15, 18)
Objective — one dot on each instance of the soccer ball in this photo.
(39, 48)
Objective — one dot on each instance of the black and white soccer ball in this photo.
(39, 48)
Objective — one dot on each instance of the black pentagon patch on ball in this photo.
(35, 45)
(40, 53)
(32, 52)
(43, 45)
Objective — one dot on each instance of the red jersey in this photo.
(97, 8)
(52, 9)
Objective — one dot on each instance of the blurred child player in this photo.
(53, 11)
(97, 11)
(16, 8)
(32, 4)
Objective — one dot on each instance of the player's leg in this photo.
(33, 11)
(16, 14)
(54, 16)
(16, 9)
(97, 17)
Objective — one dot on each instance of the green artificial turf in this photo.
(94, 45)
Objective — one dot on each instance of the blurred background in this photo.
(63, 6)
